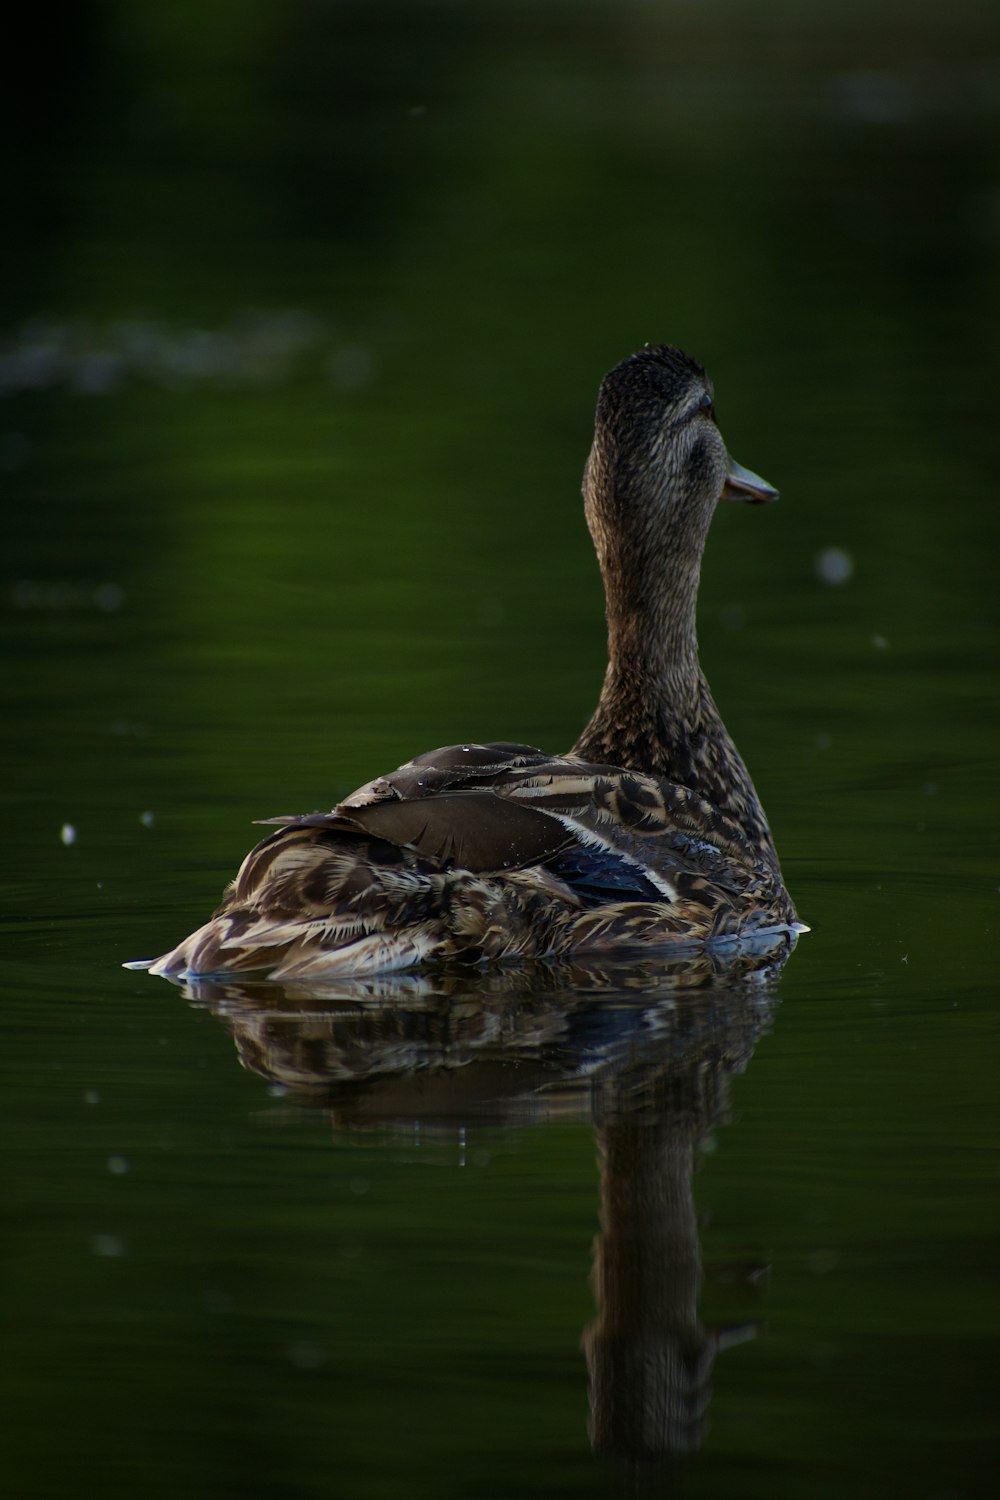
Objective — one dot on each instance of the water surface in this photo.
(301, 336)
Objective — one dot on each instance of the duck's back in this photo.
(480, 853)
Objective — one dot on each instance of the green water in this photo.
(302, 322)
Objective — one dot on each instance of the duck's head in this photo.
(659, 463)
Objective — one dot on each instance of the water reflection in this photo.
(648, 1353)
(256, 347)
(645, 1053)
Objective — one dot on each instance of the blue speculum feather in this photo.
(599, 875)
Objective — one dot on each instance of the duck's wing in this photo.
(460, 828)
(604, 833)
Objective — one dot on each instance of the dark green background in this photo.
(303, 311)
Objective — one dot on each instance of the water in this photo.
(301, 340)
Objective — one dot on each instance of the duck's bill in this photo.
(744, 484)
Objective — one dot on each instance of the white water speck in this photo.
(216, 1301)
(147, 819)
(834, 565)
(68, 834)
(871, 96)
(108, 1245)
(118, 1165)
(109, 597)
(306, 1354)
(14, 450)
(352, 367)
(489, 612)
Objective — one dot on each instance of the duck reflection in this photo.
(645, 1053)
(649, 1355)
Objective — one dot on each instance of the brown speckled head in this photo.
(657, 467)
(658, 379)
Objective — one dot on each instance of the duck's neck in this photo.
(654, 692)
(656, 713)
(652, 635)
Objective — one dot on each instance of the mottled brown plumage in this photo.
(647, 837)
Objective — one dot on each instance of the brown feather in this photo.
(466, 829)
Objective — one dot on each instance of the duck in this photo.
(646, 838)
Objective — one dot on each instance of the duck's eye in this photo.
(707, 405)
